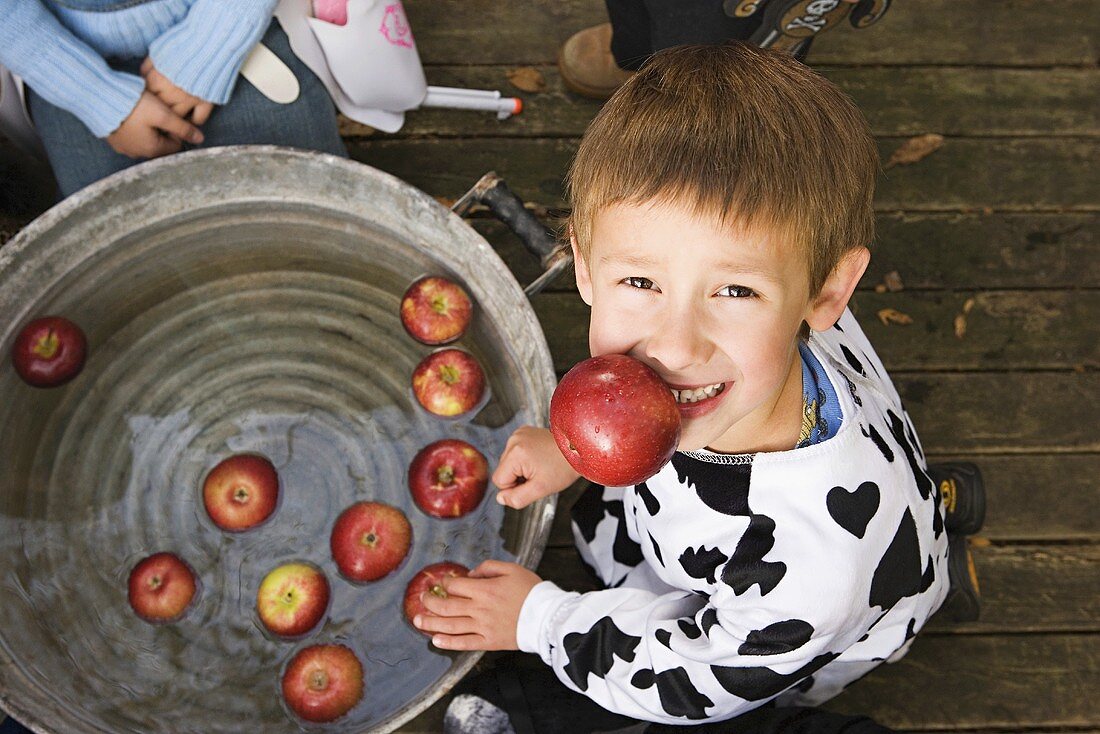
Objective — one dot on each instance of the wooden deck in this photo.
(999, 225)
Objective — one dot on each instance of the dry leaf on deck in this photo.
(527, 79)
(914, 149)
(880, 288)
(892, 316)
(960, 326)
(967, 305)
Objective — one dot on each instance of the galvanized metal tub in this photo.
(238, 299)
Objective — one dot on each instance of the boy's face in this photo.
(707, 307)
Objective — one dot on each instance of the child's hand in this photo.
(182, 103)
(152, 130)
(531, 468)
(480, 611)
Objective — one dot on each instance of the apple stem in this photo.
(318, 680)
(448, 374)
(46, 346)
(438, 590)
(446, 474)
(439, 304)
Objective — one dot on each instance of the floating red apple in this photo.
(292, 599)
(241, 492)
(369, 540)
(615, 420)
(435, 310)
(448, 382)
(161, 587)
(49, 351)
(429, 579)
(323, 682)
(448, 478)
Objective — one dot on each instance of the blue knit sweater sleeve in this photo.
(64, 70)
(203, 53)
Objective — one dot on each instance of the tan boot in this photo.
(587, 66)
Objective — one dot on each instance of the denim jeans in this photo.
(78, 158)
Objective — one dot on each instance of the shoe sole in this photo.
(596, 93)
(964, 601)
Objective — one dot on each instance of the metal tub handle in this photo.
(555, 256)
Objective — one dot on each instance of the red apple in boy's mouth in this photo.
(369, 540)
(161, 587)
(429, 579)
(49, 351)
(448, 382)
(292, 599)
(435, 310)
(323, 682)
(241, 492)
(448, 478)
(615, 420)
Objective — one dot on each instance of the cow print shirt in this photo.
(733, 580)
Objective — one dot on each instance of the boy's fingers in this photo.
(451, 606)
(446, 625)
(490, 568)
(202, 113)
(459, 642)
(175, 125)
(146, 65)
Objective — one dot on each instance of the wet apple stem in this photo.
(438, 590)
(318, 680)
(448, 374)
(155, 582)
(46, 347)
(445, 474)
(240, 495)
(439, 304)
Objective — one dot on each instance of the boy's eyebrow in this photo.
(726, 266)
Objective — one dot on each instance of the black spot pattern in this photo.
(898, 574)
(746, 566)
(588, 510)
(652, 506)
(851, 358)
(656, 549)
(679, 696)
(777, 638)
(897, 428)
(928, 576)
(879, 441)
(664, 637)
(723, 488)
(710, 618)
(853, 510)
(594, 651)
(910, 631)
(852, 390)
(756, 683)
(805, 684)
(689, 628)
(702, 563)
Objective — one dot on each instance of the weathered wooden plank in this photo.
(1014, 682)
(942, 32)
(952, 251)
(896, 101)
(1029, 498)
(1024, 588)
(1003, 329)
(966, 174)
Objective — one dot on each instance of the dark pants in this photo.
(642, 27)
(538, 703)
(78, 158)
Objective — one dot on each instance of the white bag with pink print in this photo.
(370, 66)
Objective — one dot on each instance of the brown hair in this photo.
(750, 136)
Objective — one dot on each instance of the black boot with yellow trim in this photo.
(963, 493)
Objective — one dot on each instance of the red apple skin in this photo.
(615, 420)
(323, 682)
(448, 478)
(435, 310)
(161, 588)
(49, 351)
(292, 599)
(430, 579)
(241, 492)
(369, 540)
(449, 382)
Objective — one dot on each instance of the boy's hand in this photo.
(152, 130)
(480, 611)
(182, 103)
(531, 468)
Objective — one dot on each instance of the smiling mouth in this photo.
(697, 394)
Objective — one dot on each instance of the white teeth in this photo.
(694, 395)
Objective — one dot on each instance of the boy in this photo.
(721, 212)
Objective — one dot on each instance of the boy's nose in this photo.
(679, 344)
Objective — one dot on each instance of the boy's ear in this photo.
(580, 267)
(829, 304)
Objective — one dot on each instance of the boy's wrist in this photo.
(537, 615)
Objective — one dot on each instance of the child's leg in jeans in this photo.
(78, 158)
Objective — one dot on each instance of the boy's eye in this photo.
(643, 283)
(736, 291)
